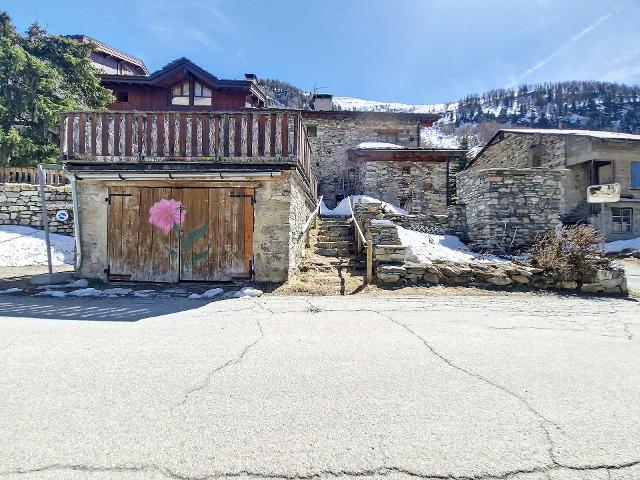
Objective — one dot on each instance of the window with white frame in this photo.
(621, 219)
(635, 174)
(181, 94)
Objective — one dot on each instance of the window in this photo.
(202, 95)
(635, 174)
(181, 93)
(388, 137)
(621, 219)
(121, 96)
(312, 130)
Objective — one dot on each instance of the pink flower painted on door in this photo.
(165, 214)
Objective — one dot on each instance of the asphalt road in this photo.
(517, 387)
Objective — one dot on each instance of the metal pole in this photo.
(604, 235)
(45, 217)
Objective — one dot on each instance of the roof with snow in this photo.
(599, 134)
(580, 133)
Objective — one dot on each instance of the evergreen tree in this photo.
(41, 75)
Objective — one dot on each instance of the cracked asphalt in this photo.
(467, 388)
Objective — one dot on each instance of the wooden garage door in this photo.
(170, 234)
(138, 249)
(217, 234)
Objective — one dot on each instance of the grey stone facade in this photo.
(418, 187)
(20, 205)
(332, 134)
(508, 207)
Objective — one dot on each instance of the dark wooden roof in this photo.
(178, 69)
(109, 50)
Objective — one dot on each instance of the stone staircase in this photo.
(330, 266)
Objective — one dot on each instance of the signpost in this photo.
(607, 193)
(45, 215)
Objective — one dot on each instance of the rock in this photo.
(521, 279)
(591, 287)
(394, 269)
(500, 280)
(431, 278)
(566, 285)
(388, 277)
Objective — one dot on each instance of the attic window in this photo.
(202, 95)
(121, 96)
(180, 94)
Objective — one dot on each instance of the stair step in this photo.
(334, 238)
(332, 252)
(334, 244)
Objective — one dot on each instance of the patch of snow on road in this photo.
(88, 292)
(633, 244)
(343, 210)
(11, 290)
(378, 146)
(425, 248)
(25, 246)
(214, 292)
(51, 293)
(81, 283)
(248, 292)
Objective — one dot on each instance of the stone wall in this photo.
(20, 205)
(519, 150)
(280, 210)
(508, 207)
(418, 187)
(338, 132)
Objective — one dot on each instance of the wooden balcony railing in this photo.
(256, 136)
(30, 175)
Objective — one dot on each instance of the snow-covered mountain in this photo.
(358, 104)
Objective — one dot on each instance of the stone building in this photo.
(333, 133)
(589, 157)
(414, 179)
(214, 203)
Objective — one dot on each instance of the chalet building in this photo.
(109, 60)
(589, 157)
(188, 177)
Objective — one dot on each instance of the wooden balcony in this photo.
(255, 136)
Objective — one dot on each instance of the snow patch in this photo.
(214, 292)
(248, 292)
(22, 246)
(11, 290)
(343, 209)
(425, 248)
(633, 244)
(378, 145)
(88, 292)
(51, 293)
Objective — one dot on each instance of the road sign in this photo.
(607, 193)
(62, 215)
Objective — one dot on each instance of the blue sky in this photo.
(416, 51)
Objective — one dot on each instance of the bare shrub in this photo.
(572, 253)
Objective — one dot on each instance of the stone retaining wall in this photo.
(20, 205)
(497, 275)
(508, 208)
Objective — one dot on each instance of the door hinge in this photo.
(244, 195)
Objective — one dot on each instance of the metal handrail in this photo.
(313, 215)
(358, 229)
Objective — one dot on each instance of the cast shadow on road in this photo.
(95, 309)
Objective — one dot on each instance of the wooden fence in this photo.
(30, 175)
(255, 136)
